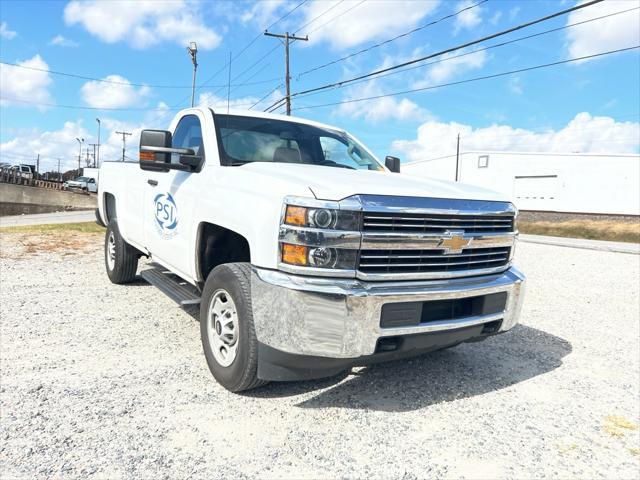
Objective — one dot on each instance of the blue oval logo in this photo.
(166, 213)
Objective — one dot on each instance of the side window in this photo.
(188, 134)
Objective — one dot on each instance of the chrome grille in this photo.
(433, 223)
(431, 261)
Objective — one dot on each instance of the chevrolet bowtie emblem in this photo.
(454, 242)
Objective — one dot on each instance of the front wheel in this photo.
(120, 258)
(226, 327)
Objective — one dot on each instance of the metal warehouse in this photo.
(571, 182)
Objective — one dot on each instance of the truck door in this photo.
(169, 204)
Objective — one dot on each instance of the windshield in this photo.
(82, 179)
(248, 139)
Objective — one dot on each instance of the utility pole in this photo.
(287, 78)
(94, 145)
(124, 141)
(457, 156)
(80, 142)
(192, 49)
(87, 157)
(98, 157)
(59, 176)
(38, 165)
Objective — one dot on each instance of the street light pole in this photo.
(192, 49)
(98, 157)
(80, 142)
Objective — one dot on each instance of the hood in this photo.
(330, 183)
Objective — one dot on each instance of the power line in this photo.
(495, 45)
(485, 77)
(340, 15)
(269, 93)
(448, 50)
(377, 45)
(120, 109)
(116, 82)
(244, 49)
(318, 16)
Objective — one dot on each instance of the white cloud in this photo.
(515, 85)
(451, 65)
(386, 108)
(62, 144)
(25, 85)
(61, 41)
(264, 13)
(368, 21)
(610, 33)
(5, 32)
(142, 23)
(469, 18)
(495, 19)
(51, 145)
(113, 95)
(585, 134)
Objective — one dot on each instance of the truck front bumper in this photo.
(310, 327)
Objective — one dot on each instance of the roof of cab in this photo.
(273, 116)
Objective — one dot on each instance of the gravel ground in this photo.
(105, 381)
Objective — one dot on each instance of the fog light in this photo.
(322, 257)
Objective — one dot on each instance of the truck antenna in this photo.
(229, 84)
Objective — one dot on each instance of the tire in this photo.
(228, 290)
(120, 258)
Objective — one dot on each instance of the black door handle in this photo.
(152, 182)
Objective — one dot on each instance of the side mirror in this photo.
(392, 163)
(156, 151)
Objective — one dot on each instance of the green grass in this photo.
(82, 227)
(591, 229)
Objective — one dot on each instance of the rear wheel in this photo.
(120, 258)
(226, 327)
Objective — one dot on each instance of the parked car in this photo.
(306, 254)
(86, 184)
(23, 171)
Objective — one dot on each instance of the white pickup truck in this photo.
(306, 255)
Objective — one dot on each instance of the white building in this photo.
(572, 182)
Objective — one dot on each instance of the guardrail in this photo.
(17, 178)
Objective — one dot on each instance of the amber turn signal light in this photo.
(295, 215)
(294, 254)
(148, 156)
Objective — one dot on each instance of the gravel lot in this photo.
(110, 382)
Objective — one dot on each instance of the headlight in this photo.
(321, 218)
(319, 238)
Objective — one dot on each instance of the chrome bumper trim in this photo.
(317, 237)
(340, 318)
(431, 275)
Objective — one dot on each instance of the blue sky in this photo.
(584, 106)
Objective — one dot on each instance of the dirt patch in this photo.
(612, 230)
(18, 244)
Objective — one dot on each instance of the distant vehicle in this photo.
(86, 184)
(91, 172)
(4, 166)
(24, 171)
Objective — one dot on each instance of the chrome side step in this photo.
(181, 292)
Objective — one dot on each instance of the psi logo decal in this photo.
(166, 214)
